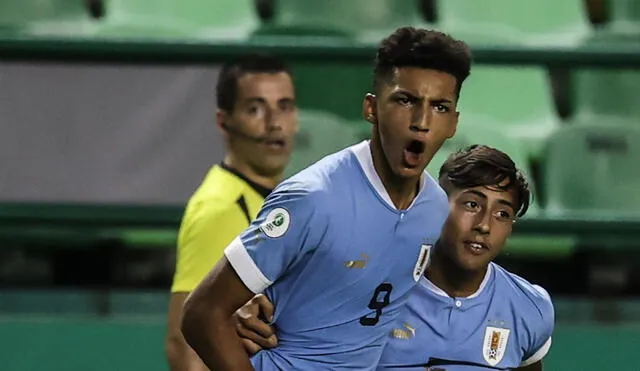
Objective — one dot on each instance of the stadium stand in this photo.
(194, 19)
(322, 133)
(589, 170)
(361, 20)
(517, 100)
(546, 22)
(592, 171)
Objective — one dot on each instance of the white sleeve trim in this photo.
(245, 267)
(537, 356)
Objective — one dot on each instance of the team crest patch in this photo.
(423, 260)
(495, 344)
(276, 223)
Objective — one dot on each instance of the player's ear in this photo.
(222, 119)
(454, 125)
(369, 110)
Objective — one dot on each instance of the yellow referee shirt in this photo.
(220, 209)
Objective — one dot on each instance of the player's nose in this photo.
(421, 120)
(483, 222)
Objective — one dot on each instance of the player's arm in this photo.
(207, 323)
(541, 330)
(288, 226)
(179, 355)
(204, 234)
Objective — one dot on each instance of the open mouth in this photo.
(476, 248)
(275, 143)
(412, 153)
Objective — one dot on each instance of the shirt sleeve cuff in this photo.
(245, 267)
(537, 356)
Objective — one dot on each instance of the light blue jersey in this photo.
(337, 260)
(506, 324)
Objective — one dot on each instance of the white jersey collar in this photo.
(438, 291)
(362, 151)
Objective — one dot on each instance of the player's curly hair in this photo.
(480, 165)
(227, 87)
(416, 47)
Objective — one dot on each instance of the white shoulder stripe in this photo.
(539, 355)
(245, 267)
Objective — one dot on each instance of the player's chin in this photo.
(470, 262)
(406, 171)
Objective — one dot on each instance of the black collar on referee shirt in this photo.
(263, 191)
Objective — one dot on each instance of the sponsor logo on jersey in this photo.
(405, 333)
(423, 260)
(495, 344)
(357, 264)
(276, 223)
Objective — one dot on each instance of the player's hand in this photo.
(252, 325)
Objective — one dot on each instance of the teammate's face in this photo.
(479, 223)
(413, 113)
(265, 108)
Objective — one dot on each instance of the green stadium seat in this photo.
(516, 99)
(322, 133)
(624, 17)
(542, 22)
(35, 17)
(365, 20)
(478, 132)
(593, 171)
(335, 86)
(604, 96)
(207, 19)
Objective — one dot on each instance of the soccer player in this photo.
(467, 313)
(258, 119)
(338, 246)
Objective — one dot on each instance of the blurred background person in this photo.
(258, 119)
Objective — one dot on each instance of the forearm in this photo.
(212, 335)
(181, 357)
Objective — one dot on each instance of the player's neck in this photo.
(248, 172)
(401, 190)
(447, 276)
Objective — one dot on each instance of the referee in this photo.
(257, 116)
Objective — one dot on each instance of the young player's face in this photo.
(264, 121)
(479, 223)
(415, 112)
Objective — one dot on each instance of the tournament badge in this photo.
(495, 344)
(276, 223)
(423, 260)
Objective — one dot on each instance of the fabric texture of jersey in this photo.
(506, 324)
(337, 259)
(219, 210)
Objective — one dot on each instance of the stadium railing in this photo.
(145, 226)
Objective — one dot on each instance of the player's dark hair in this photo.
(416, 47)
(227, 87)
(480, 165)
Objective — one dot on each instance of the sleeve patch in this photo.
(276, 223)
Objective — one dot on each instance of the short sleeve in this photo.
(541, 331)
(290, 224)
(204, 234)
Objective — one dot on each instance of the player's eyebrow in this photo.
(403, 91)
(287, 100)
(440, 101)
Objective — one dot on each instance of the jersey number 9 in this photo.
(377, 305)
